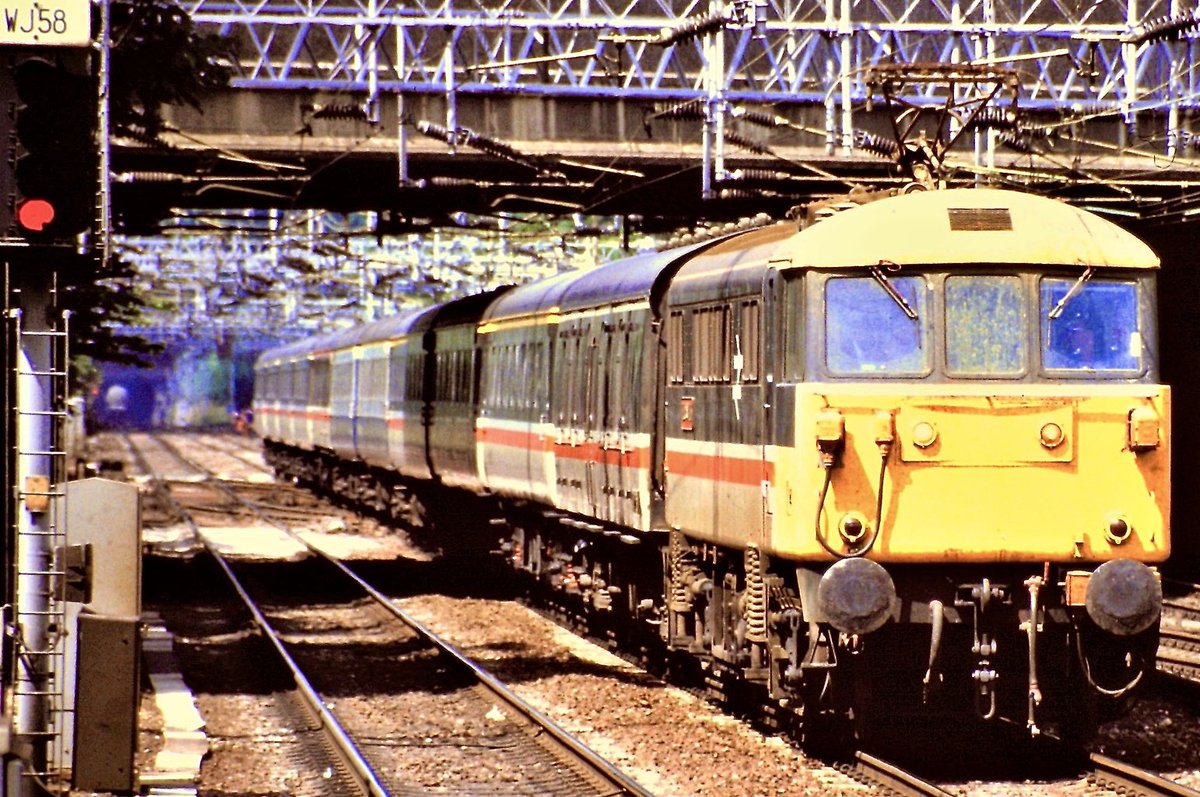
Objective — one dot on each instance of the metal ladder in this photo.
(36, 621)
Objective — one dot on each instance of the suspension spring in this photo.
(755, 603)
(681, 567)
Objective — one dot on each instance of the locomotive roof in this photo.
(965, 225)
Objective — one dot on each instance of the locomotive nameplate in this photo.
(980, 431)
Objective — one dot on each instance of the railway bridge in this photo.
(423, 108)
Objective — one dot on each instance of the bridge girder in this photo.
(753, 104)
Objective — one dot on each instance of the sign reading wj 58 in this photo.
(59, 23)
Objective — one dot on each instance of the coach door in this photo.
(345, 375)
(600, 426)
(569, 396)
(616, 470)
(595, 385)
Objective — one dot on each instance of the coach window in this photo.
(298, 390)
(414, 377)
(794, 349)
(541, 382)
(1090, 324)
(985, 326)
(874, 325)
(566, 377)
(318, 384)
(285, 382)
(634, 359)
(462, 375)
(749, 341)
(712, 356)
(675, 350)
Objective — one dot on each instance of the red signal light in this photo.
(35, 214)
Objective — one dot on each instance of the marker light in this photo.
(1143, 429)
(924, 434)
(1052, 435)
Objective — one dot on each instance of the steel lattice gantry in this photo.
(1117, 78)
(1079, 58)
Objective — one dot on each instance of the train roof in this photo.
(625, 280)
(731, 267)
(381, 329)
(965, 225)
(468, 309)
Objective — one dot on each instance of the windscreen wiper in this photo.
(883, 281)
(1057, 309)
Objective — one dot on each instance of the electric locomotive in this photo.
(908, 453)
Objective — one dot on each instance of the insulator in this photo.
(877, 145)
(695, 26)
(689, 109)
(454, 182)
(434, 130)
(1165, 28)
(346, 110)
(138, 133)
(1036, 132)
(748, 144)
(756, 176)
(149, 177)
(993, 118)
(759, 220)
(760, 118)
(755, 602)
(490, 146)
(1017, 142)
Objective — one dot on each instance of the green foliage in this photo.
(159, 59)
(97, 307)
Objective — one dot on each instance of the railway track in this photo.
(263, 504)
(1121, 778)
(466, 731)
(1179, 638)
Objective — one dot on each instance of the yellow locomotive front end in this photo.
(974, 463)
(1068, 474)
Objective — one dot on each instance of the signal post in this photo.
(53, 193)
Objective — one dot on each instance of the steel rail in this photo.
(599, 766)
(355, 762)
(1126, 779)
(896, 779)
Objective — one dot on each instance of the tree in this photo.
(160, 59)
(99, 305)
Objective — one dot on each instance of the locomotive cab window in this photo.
(1090, 324)
(985, 326)
(875, 325)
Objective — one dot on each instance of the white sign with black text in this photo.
(59, 23)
